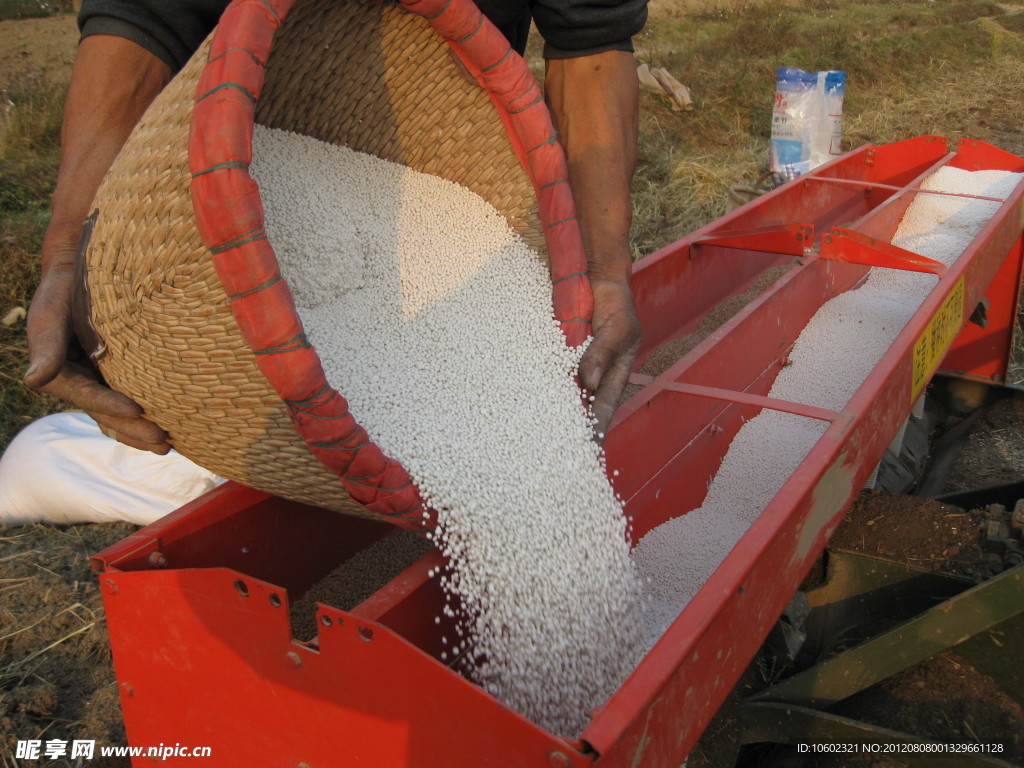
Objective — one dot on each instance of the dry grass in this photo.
(981, 103)
(950, 68)
(30, 118)
(29, 151)
(19, 243)
(677, 190)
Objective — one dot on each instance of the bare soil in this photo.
(56, 677)
(923, 533)
(36, 49)
(994, 452)
(947, 700)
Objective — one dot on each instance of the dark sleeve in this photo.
(574, 28)
(171, 29)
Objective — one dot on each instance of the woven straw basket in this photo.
(193, 318)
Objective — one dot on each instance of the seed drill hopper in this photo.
(198, 603)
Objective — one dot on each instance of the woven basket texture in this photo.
(366, 75)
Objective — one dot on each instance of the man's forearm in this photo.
(594, 102)
(112, 84)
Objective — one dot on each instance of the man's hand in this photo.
(608, 361)
(50, 336)
(113, 82)
(595, 103)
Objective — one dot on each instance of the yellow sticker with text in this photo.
(931, 346)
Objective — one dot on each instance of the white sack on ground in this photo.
(62, 469)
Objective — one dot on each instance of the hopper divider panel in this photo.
(743, 356)
(678, 285)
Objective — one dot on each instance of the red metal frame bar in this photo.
(792, 239)
(772, 403)
(731, 396)
(895, 188)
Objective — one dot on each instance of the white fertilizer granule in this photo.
(434, 320)
(833, 355)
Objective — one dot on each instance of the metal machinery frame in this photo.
(889, 616)
(197, 603)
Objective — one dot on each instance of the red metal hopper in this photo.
(197, 603)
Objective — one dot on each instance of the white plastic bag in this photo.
(807, 120)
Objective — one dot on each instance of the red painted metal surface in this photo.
(203, 650)
(843, 244)
(784, 238)
(204, 653)
(981, 353)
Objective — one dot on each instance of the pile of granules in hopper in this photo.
(833, 355)
(435, 322)
(356, 579)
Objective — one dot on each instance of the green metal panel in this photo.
(951, 622)
(999, 653)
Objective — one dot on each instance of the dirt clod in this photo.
(919, 532)
(36, 699)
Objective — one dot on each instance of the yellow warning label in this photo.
(931, 347)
